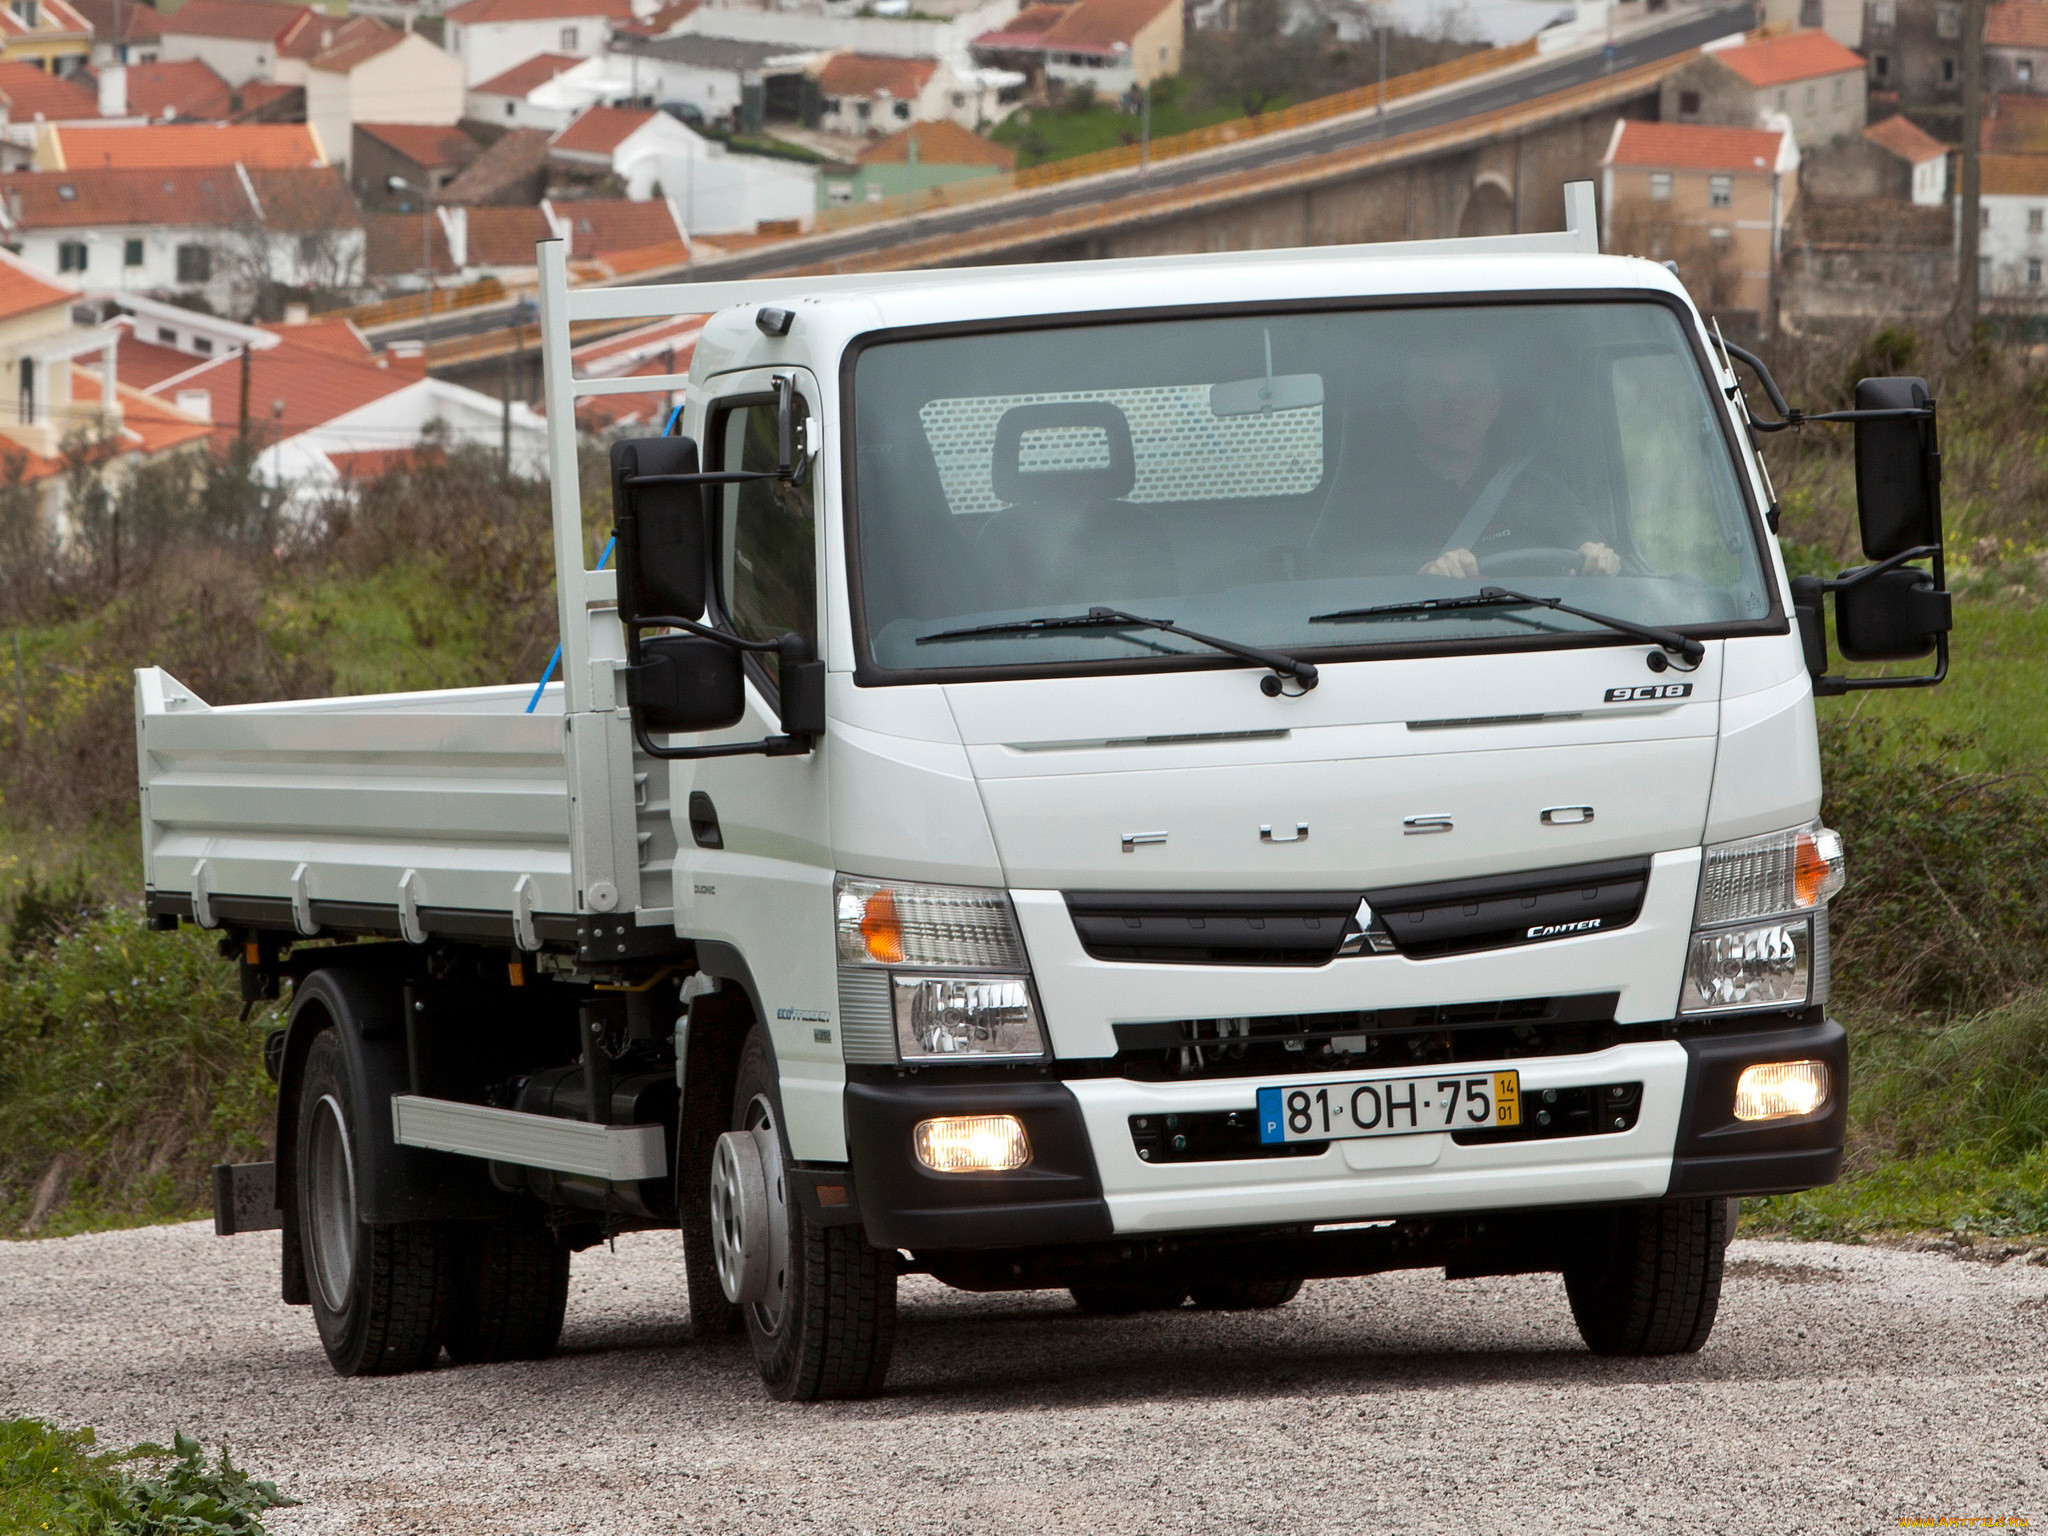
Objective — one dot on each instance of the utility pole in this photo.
(1145, 130)
(1383, 66)
(910, 165)
(1970, 219)
(242, 419)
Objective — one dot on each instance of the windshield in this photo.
(1244, 474)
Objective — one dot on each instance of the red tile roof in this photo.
(1096, 24)
(522, 78)
(181, 196)
(2014, 175)
(2016, 125)
(363, 43)
(23, 289)
(30, 93)
(873, 74)
(315, 385)
(1695, 147)
(187, 88)
(259, 94)
(2016, 24)
(1910, 142)
(252, 21)
(277, 146)
(139, 23)
(601, 227)
(424, 144)
(392, 244)
(600, 130)
(371, 463)
(322, 34)
(473, 13)
(505, 237)
(337, 335)
(511, 171)
(145, 364)
(943, 142)
(661, 21)
(1788, 57)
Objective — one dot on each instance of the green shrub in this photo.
(126, 1071)
(1946, 909)
(54, 1480)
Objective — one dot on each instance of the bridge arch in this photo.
(1489, 206)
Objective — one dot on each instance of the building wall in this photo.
(889, 178)
(876, 117)
(414, 82)
(61, 54)
(1725, 254)
(805, 31)
(2013, 245)
(1825, 111)
(513, 112)
(1156, 50)
(1914, 47)
(2016, 70)
(107, 267)
(233, 59)
(490, 48)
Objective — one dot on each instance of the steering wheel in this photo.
(1534, 560)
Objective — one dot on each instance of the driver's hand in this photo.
(1459, 562)
(1598, 560)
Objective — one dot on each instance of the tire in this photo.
(828, 1324)
(380, 1293)
(1245, 1295)
(512, 1287)
(1121, 1298)
(1650, 1282)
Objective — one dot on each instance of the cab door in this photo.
(756, 863)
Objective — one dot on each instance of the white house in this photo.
(1922, 157)
(2012, 246)
(712, 74)
(215, 232)
(491, 36)
(244, 40)
(718, 191)
(381, 77)
(507, 99)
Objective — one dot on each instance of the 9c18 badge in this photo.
(1648, 691)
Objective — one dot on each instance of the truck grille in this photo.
(1280, 1044)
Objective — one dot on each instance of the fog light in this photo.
(1781, 1089)
(972, 1144)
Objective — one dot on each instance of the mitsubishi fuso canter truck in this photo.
(1166, 779)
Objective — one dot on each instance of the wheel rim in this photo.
(331, 1191)
(760, 1118)
(738, 1211)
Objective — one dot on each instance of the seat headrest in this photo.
(1068, 462)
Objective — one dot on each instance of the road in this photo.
(1843, 1389)
(1484, 95)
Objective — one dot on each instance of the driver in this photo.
(1466, 495)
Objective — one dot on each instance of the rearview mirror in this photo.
(660, 530)
(1253, 397)
(1892, 615)
(685, 683)
(1898, 470)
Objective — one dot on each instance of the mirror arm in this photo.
(1792, 416)
(1826, 686)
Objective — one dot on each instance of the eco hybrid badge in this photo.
(1643, 692)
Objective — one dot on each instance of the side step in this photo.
(621, 1153)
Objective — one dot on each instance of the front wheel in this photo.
(1649, 1280)
(819, 1302)
(380, 1292)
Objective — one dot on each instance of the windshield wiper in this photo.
(1500, 597)
(1281, 664)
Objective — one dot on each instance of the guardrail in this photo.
(414, 306)
(1123, 157)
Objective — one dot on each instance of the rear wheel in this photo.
(512, 1288)
(1245, 1295)
(1649, 1282)
(380, 1292)
(819, 1302)
(1121, 1298)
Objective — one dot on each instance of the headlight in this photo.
(1791, 871)
(981, 1018)
(1767, 965)
(945, 926)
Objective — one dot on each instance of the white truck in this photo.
(1165, 779)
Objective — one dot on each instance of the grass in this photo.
(1039, 134)
(59, 1481)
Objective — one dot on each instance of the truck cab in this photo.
(1165, 779)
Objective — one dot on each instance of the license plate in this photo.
(1390, 1106)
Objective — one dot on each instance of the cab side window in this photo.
(768, 548)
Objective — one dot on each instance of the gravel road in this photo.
(1844, 1388)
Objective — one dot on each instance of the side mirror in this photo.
(1898, 469)
(660, 529)
(1894, 615)
(685, 684)
(802, 688)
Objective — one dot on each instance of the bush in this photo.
(53, 1480)
(126, 1072)
(1946, 908)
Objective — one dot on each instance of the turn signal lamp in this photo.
(972, 1144)
(1779, 1090)
(881, 931)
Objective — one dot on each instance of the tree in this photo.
(1259, 61)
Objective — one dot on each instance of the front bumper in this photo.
(1087, 1182)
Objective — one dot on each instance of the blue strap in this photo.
(555, 660)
